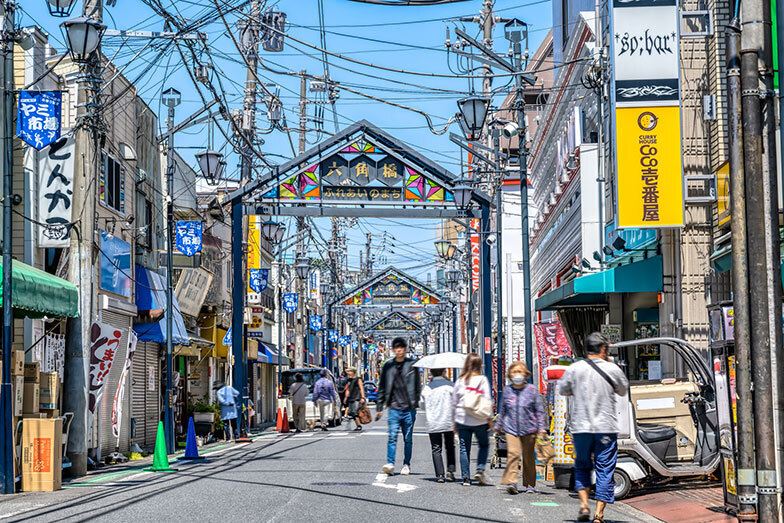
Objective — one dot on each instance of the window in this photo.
(112, 184)
(696, 24)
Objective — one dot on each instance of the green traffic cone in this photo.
(160, 460)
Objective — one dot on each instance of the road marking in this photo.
(17, 512)
(544, 504)
(400, 487)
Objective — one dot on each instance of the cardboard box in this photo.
(31, 398)
(17, 389)
(17, 363)
(49, 390)
(42, 459)
(32, 372)
(50, 413)
(37, 415)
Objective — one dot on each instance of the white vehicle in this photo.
(310, 377)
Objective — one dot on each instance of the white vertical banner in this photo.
(117, 403)
(55, 193)
(104, 343)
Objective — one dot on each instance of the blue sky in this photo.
(410, 38)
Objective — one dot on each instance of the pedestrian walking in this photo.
(227, 398)
(299, 393)
(521, 419)
(399, 389)
(354, 396)
(593, 384)
(436, 400)
(324, 395)
(473, 405)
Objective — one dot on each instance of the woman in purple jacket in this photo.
(521, 417)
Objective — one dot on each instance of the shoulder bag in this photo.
(476, 403)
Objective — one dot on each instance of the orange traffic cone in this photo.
(279, 421)
(285, 427)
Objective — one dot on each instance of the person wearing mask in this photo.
(227, 398)
(324, 395)
(299, 394)
(398, 389)
(436, 400)
(521, 418)
(354, 396)
(593, 384)
(473, 406)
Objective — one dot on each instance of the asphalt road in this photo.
(330, 477)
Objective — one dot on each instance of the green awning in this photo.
(37, 293)
(592, 289)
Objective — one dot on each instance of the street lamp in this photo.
(273, 231)
(452, 276)
(442, 248)
(60, 8)
(83, 35)
(211, 165)
(474, 111)
(302, 266)
(463, 194)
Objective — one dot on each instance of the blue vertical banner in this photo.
(290, 300)
(38, 120)
(227, 338)
(315, 322)
(258, 279)
(188, 237)
(355, 344)
(344, 341)
(333, 335)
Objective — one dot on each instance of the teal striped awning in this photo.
(592, 289)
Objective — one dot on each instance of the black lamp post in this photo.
(211, 165)
(60, 8)
(463, 194)
(302, 266)
(473, 109)
(83, 36)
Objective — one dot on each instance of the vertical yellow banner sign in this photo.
(650, 180)
(254, 244)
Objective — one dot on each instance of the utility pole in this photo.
(80, 251)
(171, 98)
(762, 238)
(299, 331)
(6, 114)
(368, 261)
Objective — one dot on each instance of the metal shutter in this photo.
(145, 393)
(108, 443)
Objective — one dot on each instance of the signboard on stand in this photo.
(551, 343)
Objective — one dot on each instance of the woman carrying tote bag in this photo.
(473, 404)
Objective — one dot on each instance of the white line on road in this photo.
(381, 481)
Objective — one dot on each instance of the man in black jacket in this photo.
(399, 389)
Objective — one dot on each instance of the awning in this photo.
(272, 353)
(592, 289)
(194, 349)
(36, 293)
(722, 261)
(151, 295)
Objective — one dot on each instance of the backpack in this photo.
(477, 404)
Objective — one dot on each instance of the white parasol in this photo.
(444, 360)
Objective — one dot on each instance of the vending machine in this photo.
(722, 345)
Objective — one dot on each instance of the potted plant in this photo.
(204, 411)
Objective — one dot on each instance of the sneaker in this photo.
(405, 471)
(324, 428)
(358, 429)
(441, 479)
(466, 482)
(388, 469)
(512, 489)
(450, 476)
(297, 431)
(530, 490)
(480, 477)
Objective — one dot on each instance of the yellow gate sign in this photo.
(650, 177)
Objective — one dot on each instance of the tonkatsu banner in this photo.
(648, 154)
(550, 343)
(645, 52)
(104, 344)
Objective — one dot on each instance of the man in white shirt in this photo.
(299, 393)
(593, 384)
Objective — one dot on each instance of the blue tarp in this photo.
(151, 295)
(271, 352)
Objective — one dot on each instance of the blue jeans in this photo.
(604, 448)
(400, 420)
(464, 433)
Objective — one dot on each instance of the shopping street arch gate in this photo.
(361, 171)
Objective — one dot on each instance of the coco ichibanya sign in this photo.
(647, 114)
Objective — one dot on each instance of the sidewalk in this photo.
(683, 505)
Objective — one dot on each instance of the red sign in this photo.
(488, 346)
(550, 342)
(475, 255)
